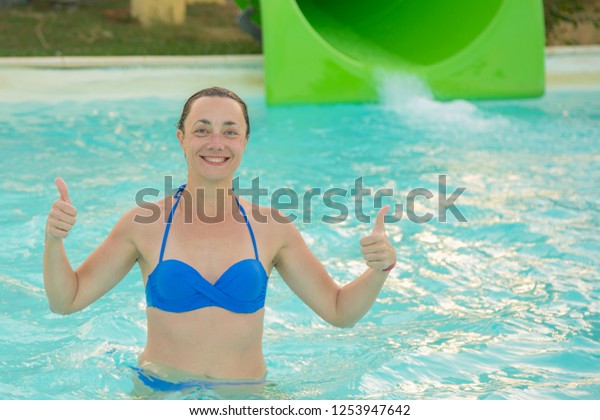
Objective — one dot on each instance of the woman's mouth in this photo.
(215, 160)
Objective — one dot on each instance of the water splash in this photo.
(411, 98)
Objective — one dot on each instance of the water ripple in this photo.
(506, 305)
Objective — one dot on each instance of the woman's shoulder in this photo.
(259, 213)
(268, 218)
(145, 215)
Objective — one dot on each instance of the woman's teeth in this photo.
(215, 159)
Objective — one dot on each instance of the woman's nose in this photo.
(215, 141)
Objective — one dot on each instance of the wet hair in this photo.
(214, 92)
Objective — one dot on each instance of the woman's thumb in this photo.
(379, 226)
(62, 189)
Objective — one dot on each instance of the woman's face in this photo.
(214, 137)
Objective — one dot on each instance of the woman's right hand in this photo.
(62, 214)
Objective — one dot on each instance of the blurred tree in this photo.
(557, 11)
(8, 3)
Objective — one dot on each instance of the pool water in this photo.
(504, 305)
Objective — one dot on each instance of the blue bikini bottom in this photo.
(159, 384)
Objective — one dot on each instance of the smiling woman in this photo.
(206, 282)
(213, 132)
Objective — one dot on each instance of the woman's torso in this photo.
(209, 341)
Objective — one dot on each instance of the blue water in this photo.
(505, 305)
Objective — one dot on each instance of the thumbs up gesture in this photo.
(376, 248)
(62, 214)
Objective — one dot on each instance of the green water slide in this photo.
(319, 51)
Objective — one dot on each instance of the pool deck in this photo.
(64, 78)
(41, 78)
(573, 67)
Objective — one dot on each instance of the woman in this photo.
(206, 282)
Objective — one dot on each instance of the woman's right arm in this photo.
(71, 290)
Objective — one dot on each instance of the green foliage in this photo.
(104, 27)
(569, 11)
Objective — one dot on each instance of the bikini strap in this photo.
(168, 226)
(249, 227)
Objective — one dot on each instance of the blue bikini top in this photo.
(175, 286)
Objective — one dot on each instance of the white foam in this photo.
(410, 97)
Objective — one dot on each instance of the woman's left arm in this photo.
(306, 276)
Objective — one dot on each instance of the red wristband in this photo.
(390, 267)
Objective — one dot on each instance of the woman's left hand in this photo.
(378, 251)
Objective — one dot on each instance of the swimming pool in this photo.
(506, 305)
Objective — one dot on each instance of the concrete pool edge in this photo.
(91, 78)
(573, 67)
(115, 77)
(572, 49)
